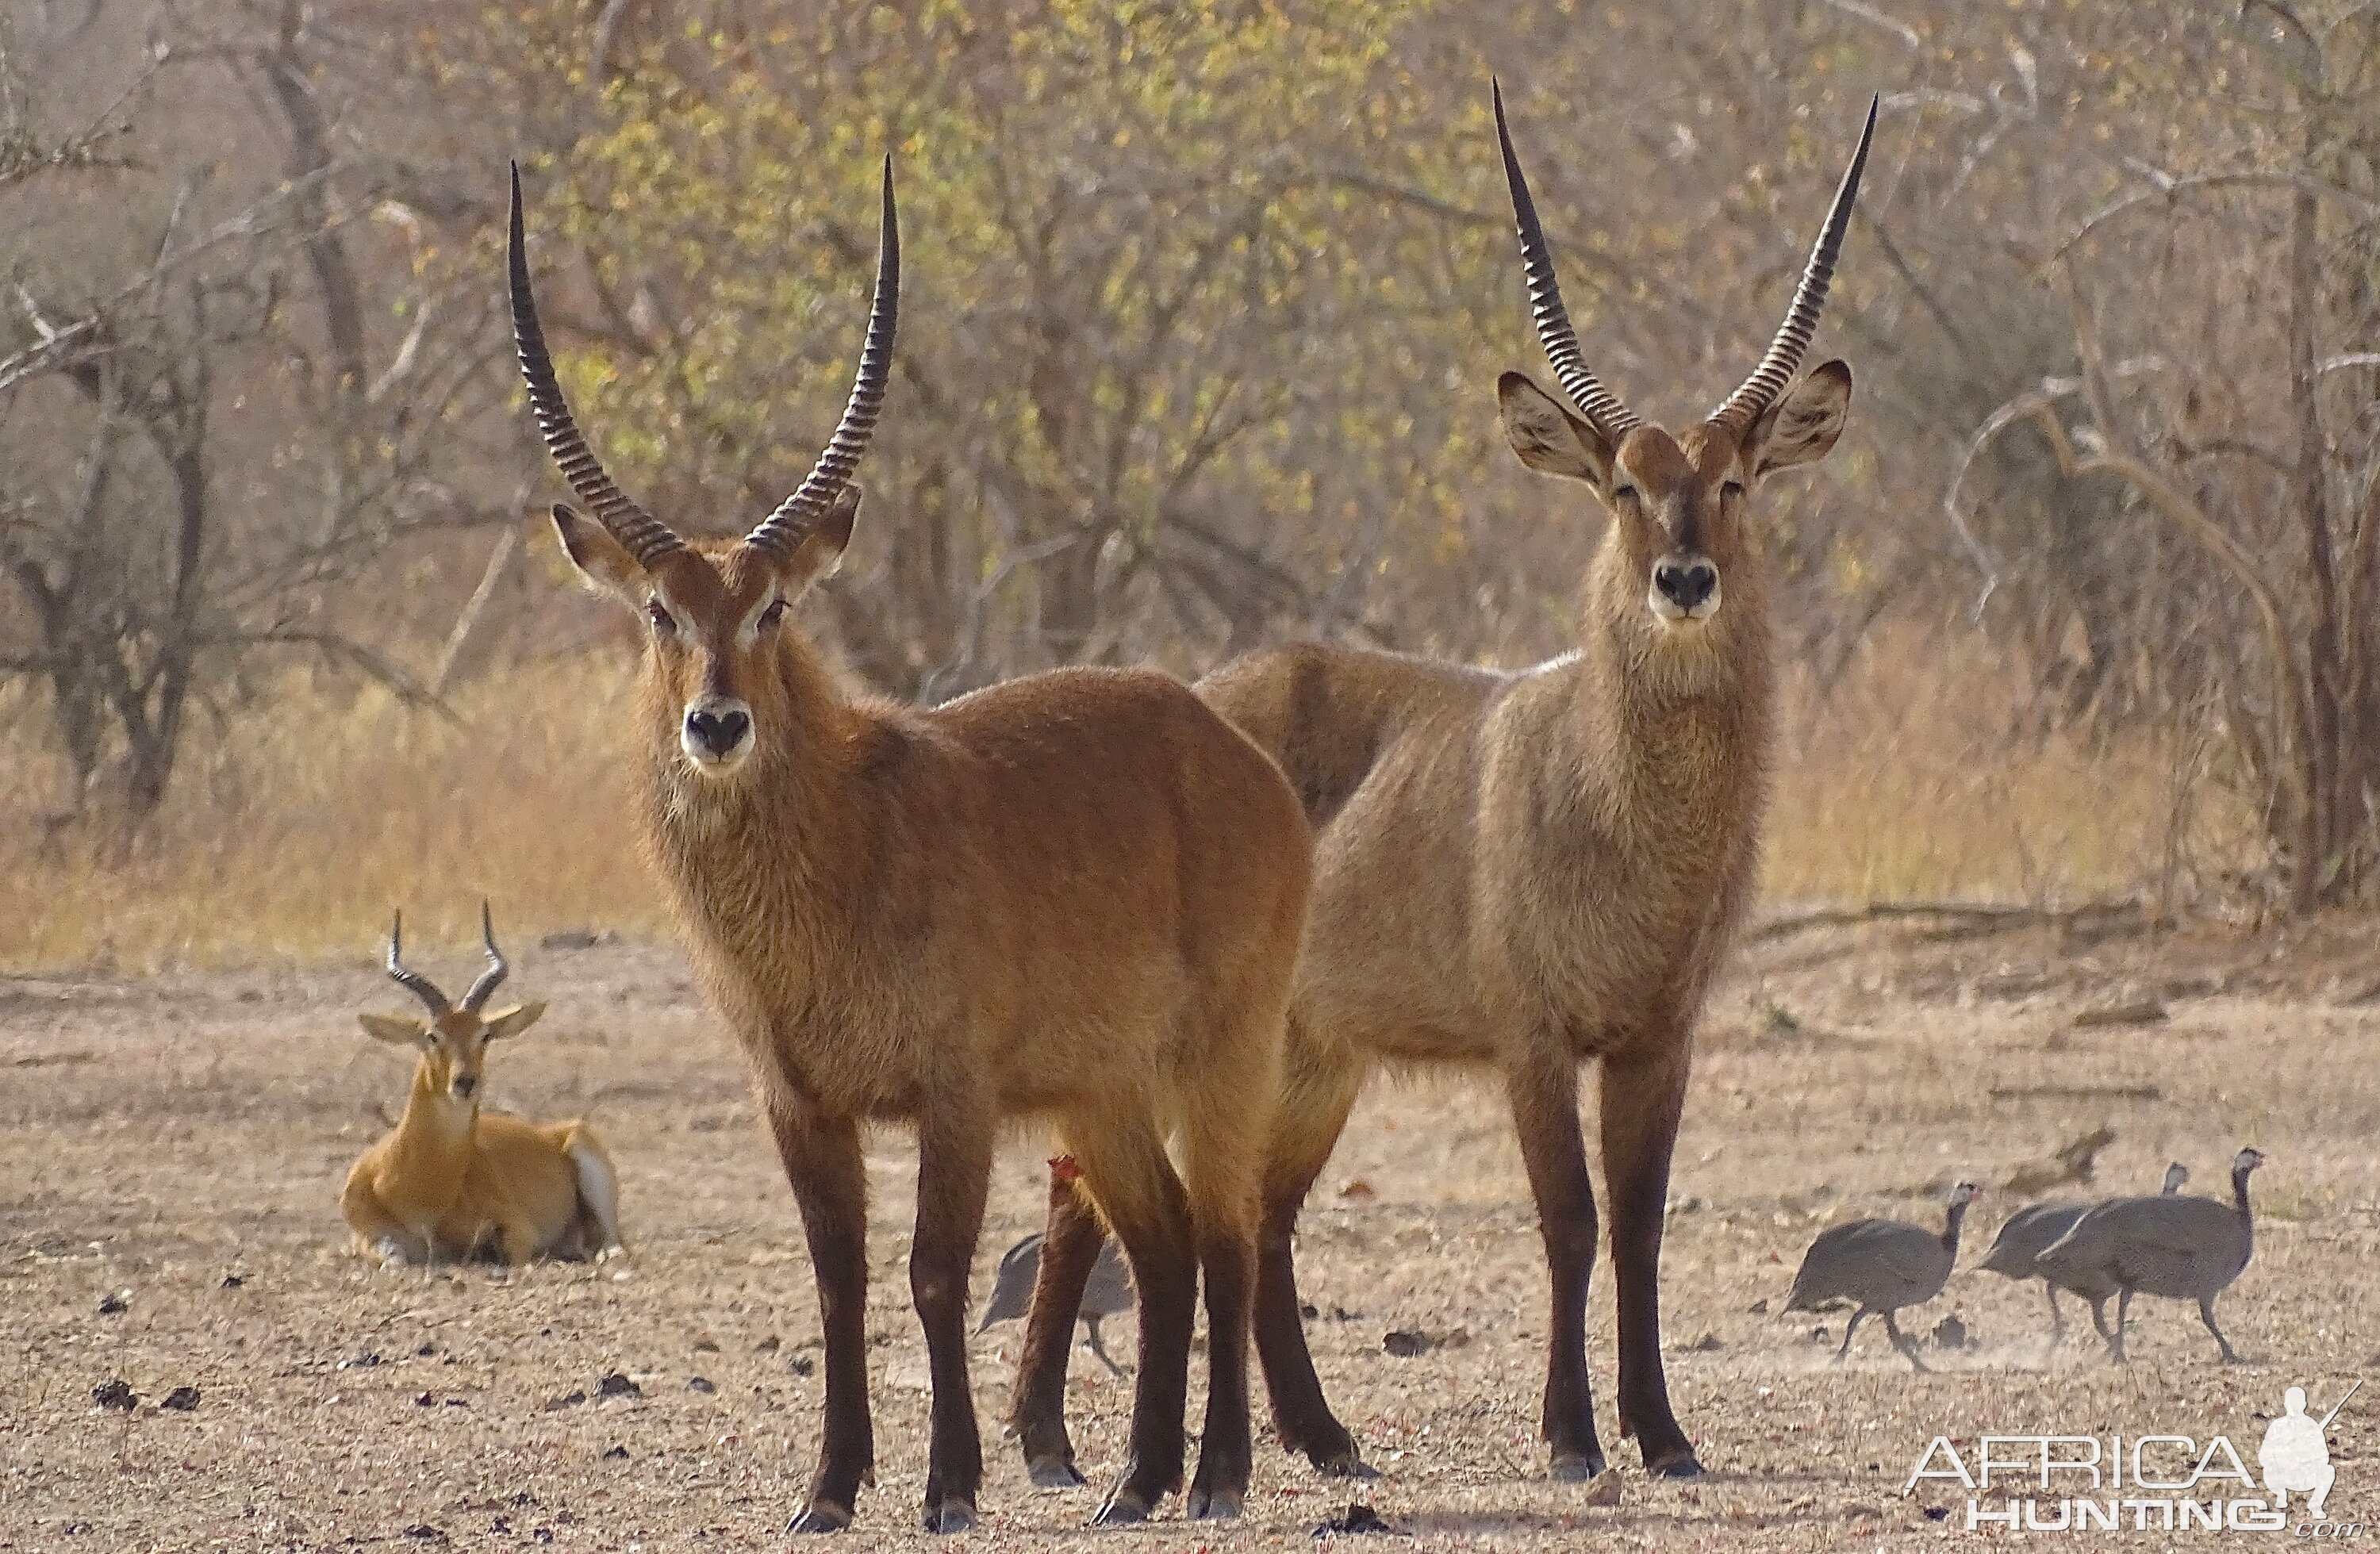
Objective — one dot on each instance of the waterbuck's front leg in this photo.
(1544, 1093)
(822, 1163)
(1644, 1091)
(953, 1175)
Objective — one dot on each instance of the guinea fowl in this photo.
(2016, 1252)
(2181, 1248)
(1882, 1265)
(1109, 1293)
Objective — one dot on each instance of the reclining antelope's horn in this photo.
(644, 537)
(783, 529)
(1784, 359)
(1602, 407)
(487, 981)
(413, 982)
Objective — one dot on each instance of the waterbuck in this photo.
(1075, 896)
(1518, 872)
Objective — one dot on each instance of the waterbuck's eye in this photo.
(665, 624)
(772, 614)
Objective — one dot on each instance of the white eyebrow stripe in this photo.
(748, 631)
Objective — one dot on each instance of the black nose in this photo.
(465, 1083)
(717, 733)
(1686, 585)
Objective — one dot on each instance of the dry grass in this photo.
(1907, 777)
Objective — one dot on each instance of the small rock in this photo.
(181, 1400)
(114, 1305)
(571, 1399)
(1707, 1345)
(233, 1282)
(1938, 1512)
(1405, 1342)
(364, 1361)
(423, 1532)
(427, 1400)
(425, 1351)
(1308, 1310)
(1357, 1518)
(1603, 1488)
(701, 1384)
(1356, 1190)
(1760, 1306)
(801, 1365)
(766, 1346)
(617, 1454)
(705, 1346)
(572, 939)
(117, 1393)
(1951, 1333)
(616, 1385)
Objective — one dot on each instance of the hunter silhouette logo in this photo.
(2296, 1454)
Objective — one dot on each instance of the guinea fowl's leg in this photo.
(2057, 1317)
(1901, 1342)
(1092, 1342)
(1849, 1328)
(2123, 1316)
(2206, 1315)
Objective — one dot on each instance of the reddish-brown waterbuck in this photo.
(1517, 873)
(1076, 896)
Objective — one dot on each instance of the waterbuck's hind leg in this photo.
(1642, 1097)
(954, 1146)
(1133, 1186)
(1544, 1095)
(1070, 1248)
(830, 1181)
(1315, 1100)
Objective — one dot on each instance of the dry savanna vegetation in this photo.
(2074, 818)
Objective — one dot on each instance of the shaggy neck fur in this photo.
(1674, 724)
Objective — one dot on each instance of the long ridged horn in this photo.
(783, 529)
(413, 982)
(645, 536)
(1784, 359)
(495, 974)
(1602, 407)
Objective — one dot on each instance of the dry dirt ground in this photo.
(180, 1142)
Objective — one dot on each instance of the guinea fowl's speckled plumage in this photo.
(2181, 1248)
(1882, 1266)
(2016, 1252)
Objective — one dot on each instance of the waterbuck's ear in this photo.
(602, 562)
(1548, 438)
(397, 1030)
(510, 1022)
(820, 551)
(1803, 425)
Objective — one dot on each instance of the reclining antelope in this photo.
(1516, 873)
(450, 1181)
(1075, 896)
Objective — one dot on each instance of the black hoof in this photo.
(1678, 1464)
(1219, 1504)
(1123, 1509)
(820, 1516)
(955, 1516)
(1346, 1465)
(1576, 1467)
(1055, 1472)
